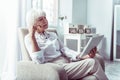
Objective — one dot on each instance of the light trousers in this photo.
(80, 69)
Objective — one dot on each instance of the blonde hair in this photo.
(32, 15)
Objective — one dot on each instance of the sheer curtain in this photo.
(9, 12)
(51, 9)
(13, 12)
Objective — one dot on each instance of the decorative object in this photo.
(71, 25)
(73, 30)
(80, 29)
(62, 18)
(88, 30)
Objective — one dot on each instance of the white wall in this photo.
(75, 10)
(79, 12)
(99, 15)
(65, 9)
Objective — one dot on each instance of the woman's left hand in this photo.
(91, 54)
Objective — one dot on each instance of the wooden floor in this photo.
(112, 70)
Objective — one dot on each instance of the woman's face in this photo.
(41, 24)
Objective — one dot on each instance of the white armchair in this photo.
(28, 70)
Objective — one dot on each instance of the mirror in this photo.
(116, 32)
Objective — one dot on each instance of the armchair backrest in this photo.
(22, 32)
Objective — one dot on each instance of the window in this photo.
(51, 9)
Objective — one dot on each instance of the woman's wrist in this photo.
(32, 35)
(78, 58)
(91, 55)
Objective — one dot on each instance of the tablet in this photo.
(93, 42)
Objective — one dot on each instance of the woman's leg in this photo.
(60, 70)
(80, 69)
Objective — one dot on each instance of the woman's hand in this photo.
(91, 54)
(32, 31)
(35, 46)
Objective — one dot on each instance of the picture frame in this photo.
(87, 30)
(73, 30)
(80, 29)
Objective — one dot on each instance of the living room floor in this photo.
(112, 70)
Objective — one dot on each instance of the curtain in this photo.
(24, 6)
(14, 12)
(10, 16)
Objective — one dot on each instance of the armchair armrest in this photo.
(100, 60)
(28, 70)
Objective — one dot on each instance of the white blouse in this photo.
(51, 47)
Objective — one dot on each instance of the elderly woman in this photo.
(46, 47)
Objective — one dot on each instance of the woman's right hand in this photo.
(35, 46)
(32, 31)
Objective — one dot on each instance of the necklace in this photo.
(44, 36)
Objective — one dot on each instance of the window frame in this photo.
(39, 4)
